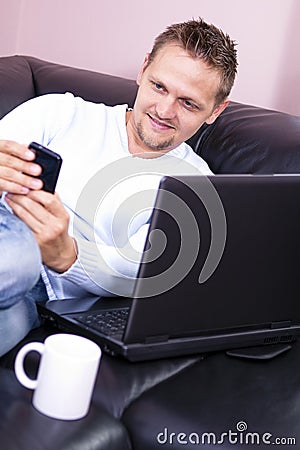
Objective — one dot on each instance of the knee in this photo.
(21, 262)
(25, 251)
(15, 323)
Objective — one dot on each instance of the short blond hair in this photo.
(206, 42)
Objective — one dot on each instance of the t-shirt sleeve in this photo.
(38, 119)
(103, 269)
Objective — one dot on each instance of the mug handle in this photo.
(19, 363)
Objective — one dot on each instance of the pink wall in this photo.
(113, 35)
(10, 15)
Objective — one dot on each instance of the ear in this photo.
(142, 69)
(216, 112)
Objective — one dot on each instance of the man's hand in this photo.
(46, 216)
(17, 169)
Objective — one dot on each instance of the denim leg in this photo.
(20, 264)
(20, 259)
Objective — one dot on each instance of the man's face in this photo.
(176, 96)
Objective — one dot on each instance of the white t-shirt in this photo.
(107, 192)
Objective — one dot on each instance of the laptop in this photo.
(220, 271)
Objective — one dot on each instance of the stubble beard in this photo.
(151, 143)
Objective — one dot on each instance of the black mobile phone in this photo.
(50, 163)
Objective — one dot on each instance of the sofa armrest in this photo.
(249, 139)
(16, 83)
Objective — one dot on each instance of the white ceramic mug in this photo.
(66, 375)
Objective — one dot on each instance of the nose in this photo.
(166, 108)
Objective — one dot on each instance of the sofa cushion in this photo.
(220, 394)
(22, 427)
(119, 382)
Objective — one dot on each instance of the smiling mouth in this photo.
(159, 124)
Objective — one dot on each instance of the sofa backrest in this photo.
(92, 86)
(25, 77)
(244, 139)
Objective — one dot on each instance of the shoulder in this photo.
(46, 101)
(41, 106)
(186, 153)
(60, 103)
(87, 110)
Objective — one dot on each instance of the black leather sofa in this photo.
(200, 401)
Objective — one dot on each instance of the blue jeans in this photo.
(20, 265)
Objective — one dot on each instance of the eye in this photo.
(189, 105)
(157, 86)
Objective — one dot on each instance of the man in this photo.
(184, 81)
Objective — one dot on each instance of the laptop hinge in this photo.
(156, 339)
(281, 324)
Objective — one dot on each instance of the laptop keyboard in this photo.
(110, 322)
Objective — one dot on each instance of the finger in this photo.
(43, 224)
(17, 182)
(51, 202)
(18, 164)
(27, 211)
(38, 209)
(9, 186)
(16, 168)
(19, 150)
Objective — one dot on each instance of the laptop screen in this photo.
(243, 232)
